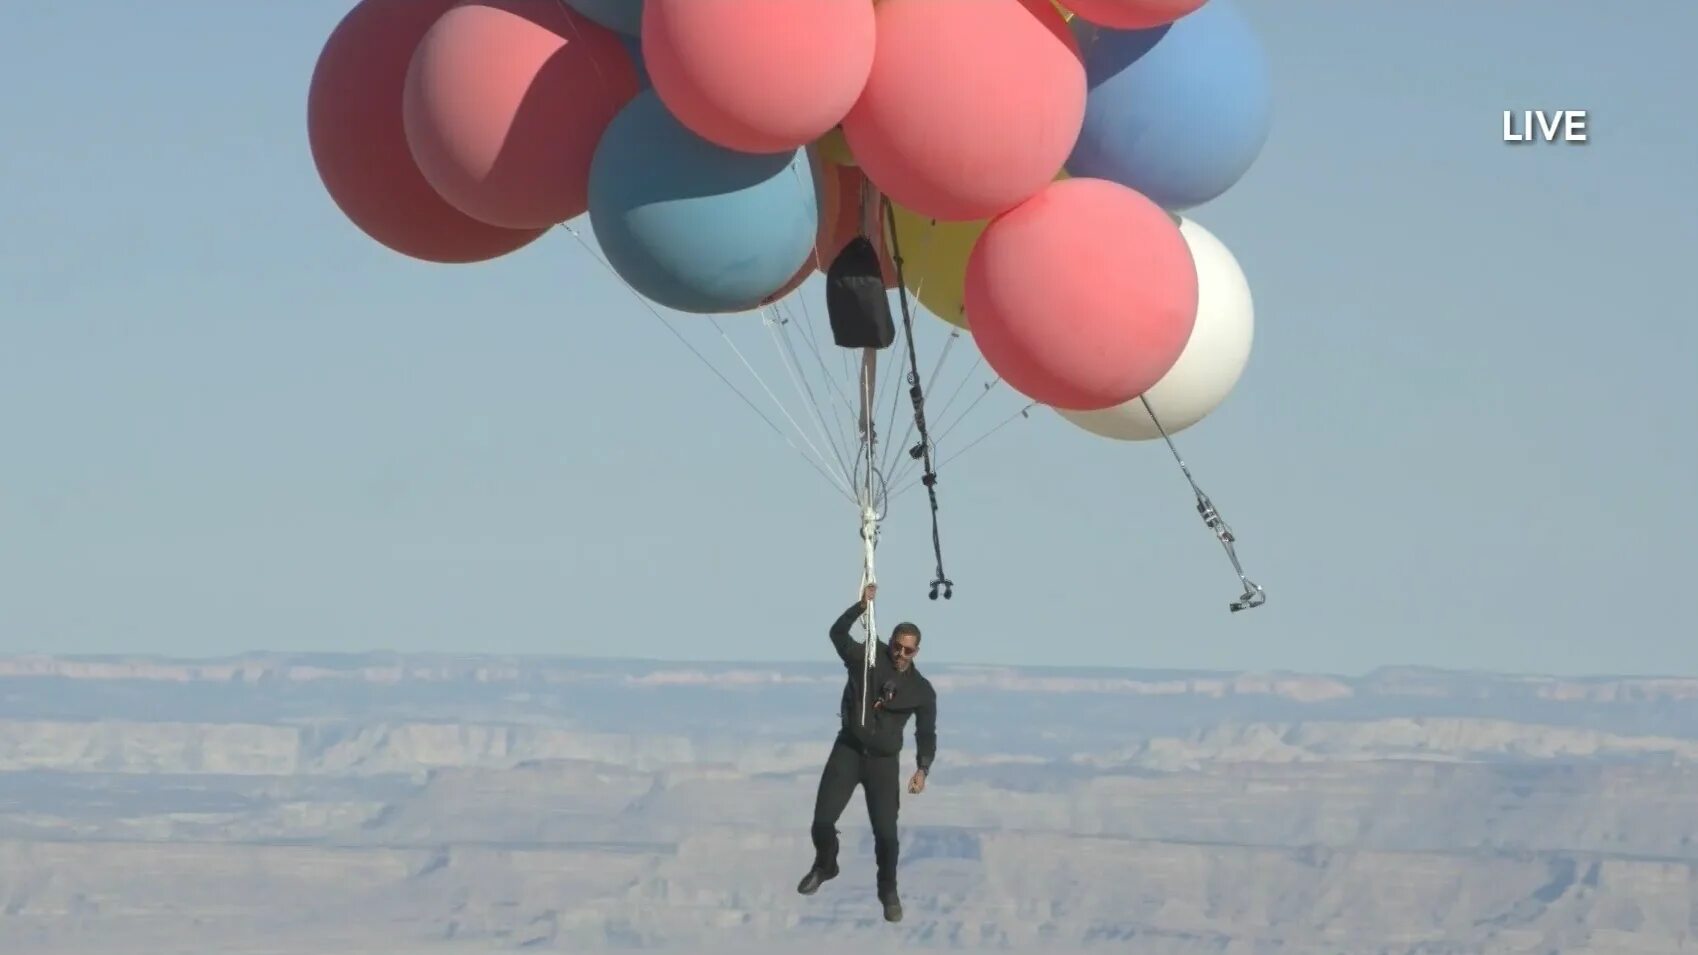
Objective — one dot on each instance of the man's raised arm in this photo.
(848, 648)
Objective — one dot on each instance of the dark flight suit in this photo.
(870, 756)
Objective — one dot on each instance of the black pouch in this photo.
(855, 298)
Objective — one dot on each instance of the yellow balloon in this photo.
(834, 148)
(934, 260)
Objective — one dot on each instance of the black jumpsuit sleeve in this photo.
(848, 648)
(925, 734)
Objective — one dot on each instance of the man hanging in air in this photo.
(869, 755)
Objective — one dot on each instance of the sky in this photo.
(231, 422)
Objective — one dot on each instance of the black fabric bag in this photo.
(855, 298)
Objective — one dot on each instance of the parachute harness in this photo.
(922, 449)
(1253, 595)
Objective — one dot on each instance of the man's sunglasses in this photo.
(905, 651)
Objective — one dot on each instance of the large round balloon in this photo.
(934, 261)
(1177, 112)
(1132, 14)
(504, 105)
(971, 106)
(695, 226)
(1082, 297)
(359, 145)
(622, 16)
(760, 76)
(1213, 359)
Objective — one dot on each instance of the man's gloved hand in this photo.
(917, 783)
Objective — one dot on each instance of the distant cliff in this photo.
(458, 805)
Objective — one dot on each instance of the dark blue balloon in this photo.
(694, 226)
(621, 16)
(1178, 112)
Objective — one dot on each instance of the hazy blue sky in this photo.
(1466, 437)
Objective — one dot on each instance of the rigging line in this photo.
(846, 422)
(890, 419)
(839, 434)
(781, 343)
(1253, 596)
(984, 392)
(808, 336)
(1024, 412)
(977, 361)
(924, 448)
(937, 369)
(948, 345)
(839, 418)
(869, 438)
(895, 391)
(801, 432)
(649, 307)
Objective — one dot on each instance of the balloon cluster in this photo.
(1035, 155)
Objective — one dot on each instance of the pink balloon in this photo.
(505, 103)
(972, 106)
(760, 76)
(1084, 296)
(1131, 14)
(359, 145)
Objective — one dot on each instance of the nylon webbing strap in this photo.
(922, 451)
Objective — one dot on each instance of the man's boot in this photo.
(825, 859)
(815, 878)
(892, 905)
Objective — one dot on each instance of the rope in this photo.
(649, 307)
(792, 365)
(922, 450)
(1253, 595)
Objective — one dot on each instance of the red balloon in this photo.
(1082, 297)
(1131, 14)
(505, 103)
(359, 145)
(972, 106)
(759, 76)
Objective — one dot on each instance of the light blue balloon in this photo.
(634, 46)
(1178, 112)
(621, 16)
(695, 226)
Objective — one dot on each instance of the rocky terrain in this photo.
(342, 805)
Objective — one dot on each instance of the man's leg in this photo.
(837, 783)
(882, 784)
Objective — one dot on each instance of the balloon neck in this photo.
(872, 213)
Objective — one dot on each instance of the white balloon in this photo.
(1213, 359)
